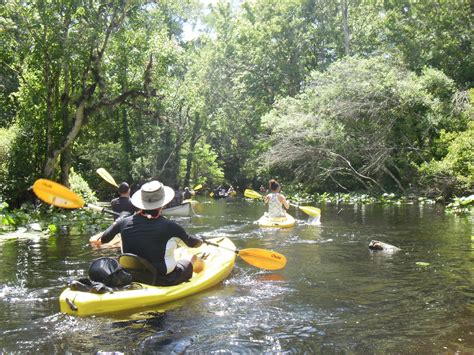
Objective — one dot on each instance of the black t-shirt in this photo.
(123, 204)
(153, 239)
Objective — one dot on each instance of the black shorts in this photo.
(181, 273)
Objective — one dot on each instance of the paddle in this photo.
(104, 174)
(58, 195)
(252, 194)
(309, 210)
(261, 258)
(197, 187)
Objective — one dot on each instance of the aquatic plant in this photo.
(461, 205)
(6, 218)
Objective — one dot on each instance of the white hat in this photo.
(152, 195)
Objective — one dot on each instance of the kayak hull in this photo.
(281, 222)
(183, 210)
(191, 201)
(218, 265)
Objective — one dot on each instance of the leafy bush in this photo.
(81, 187)
(454, 173)
(364, 124)
(205, 166)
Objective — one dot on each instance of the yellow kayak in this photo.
(277, 222)
(218, 265)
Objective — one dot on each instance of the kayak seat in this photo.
(141, 269)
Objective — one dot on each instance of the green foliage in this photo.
(423, 33)
(361, 124)
(6, 218)
(7, 137)
(156, 107)
(81, 187)
(107, 155)
(205, 168)
(53, 229)
(461, 205)
(454, 172)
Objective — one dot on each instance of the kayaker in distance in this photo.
(177, 199)
(276, 201)
(187, 194)
(123, 203)
(154, 237)
(231, 191)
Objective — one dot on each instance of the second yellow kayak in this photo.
(279, 222)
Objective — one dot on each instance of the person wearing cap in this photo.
(151, 236)
(187, 194)
(123, 202)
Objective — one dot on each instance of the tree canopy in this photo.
(338, 95)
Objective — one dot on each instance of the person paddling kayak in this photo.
(123, 203)
(150, 235)
(276, 201)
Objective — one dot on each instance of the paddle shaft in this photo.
(101, 210)
(236, 251)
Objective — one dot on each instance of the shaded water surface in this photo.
(334, 296)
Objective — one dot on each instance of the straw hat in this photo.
(152, 195)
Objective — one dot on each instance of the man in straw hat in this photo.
(154, 237)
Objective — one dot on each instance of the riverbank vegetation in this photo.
(334, 97)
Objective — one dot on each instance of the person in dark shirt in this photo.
(187, 194)
(154, 237)
(123, 203)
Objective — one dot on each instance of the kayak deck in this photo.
(218, 265)
(279, 222)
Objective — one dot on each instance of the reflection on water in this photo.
(334, 296)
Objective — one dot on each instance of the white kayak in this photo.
(183, 210)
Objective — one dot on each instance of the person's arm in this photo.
(109, 233)
(188, 239)
(283, 201)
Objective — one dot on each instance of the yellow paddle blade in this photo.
(310, 210)
(104, 174)
(264, 259)
(252, 194)
(197, 187)
(56, 194)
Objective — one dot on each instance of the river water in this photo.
(334, 296)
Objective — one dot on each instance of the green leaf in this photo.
(422, 263)
(53, 229)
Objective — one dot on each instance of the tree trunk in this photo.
(127, 144)
(65, 163)
(53, 155)
(192, 144)
(345, 25)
